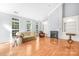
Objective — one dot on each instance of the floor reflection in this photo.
(43, 47)
(29, 50)
(54, 41)
(37, 43)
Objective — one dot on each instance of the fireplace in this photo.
(54, 34)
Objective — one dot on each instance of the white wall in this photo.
(6, 28)
(46, 27)
(75, 26)
(71, 10)
(54, 21)
(23, 25)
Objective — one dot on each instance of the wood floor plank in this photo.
(46, 47)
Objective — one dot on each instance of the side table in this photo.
(70, 41)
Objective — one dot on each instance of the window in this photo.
(28, 25)
(15, 26)
(37, 29)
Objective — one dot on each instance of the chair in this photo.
(41, 34)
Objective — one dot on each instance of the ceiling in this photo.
(36, 11)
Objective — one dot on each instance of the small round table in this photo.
(70, 41)
(70, 38)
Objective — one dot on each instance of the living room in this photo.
(40, 27)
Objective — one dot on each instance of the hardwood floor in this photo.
(4, 48)
(46, 47)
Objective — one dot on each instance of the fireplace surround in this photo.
(54, 34)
